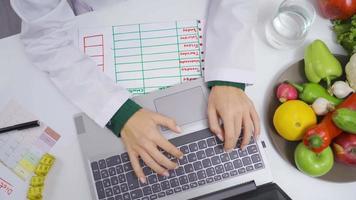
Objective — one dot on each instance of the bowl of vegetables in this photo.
(312, 116)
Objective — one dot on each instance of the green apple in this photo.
(311, 163)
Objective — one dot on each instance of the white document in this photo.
(146, 57)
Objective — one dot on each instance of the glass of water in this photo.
(290, 25)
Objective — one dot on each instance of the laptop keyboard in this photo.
(204, 162)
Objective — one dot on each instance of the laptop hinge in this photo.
(229, 192)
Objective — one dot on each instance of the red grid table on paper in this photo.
(94, 48)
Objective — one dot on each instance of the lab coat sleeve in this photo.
(47, 33)
(229, 45)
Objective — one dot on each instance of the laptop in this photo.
(205, 171)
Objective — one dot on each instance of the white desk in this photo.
(23, 82)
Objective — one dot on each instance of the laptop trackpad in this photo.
(185, 106)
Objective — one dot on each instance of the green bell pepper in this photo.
(309, 92)
(320, 63)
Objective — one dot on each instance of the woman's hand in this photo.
(142, 137)
(236, 110)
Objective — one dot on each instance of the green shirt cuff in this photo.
(242, 86)
(120, 118)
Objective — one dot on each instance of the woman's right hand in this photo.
(142, 138)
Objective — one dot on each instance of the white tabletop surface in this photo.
(21, 81)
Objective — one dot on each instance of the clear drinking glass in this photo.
(289, 27)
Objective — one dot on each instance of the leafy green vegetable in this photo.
(346, 33)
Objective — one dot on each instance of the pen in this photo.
(21, 126)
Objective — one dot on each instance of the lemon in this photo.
(292, 118)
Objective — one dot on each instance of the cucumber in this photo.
(345, 119)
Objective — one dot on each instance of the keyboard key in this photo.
(225, 175)
(127, 167)
(165, 185)
(125, 157)
(211, 141)
(210, 171)
(242, 153)
(96, 174)
(183, 179)
(94, 165)
(202, 144)
(237, 163)
(209, 152)
(153, 196)
(185, 187)
(192, 157)
(228, 166)
(100, 189)
(215, 160)
(169, 192)
(118, 197)
(114, 180)
(109, 192)
(126, 196)
(233, 173)
(183, 161)
(217, 178)
(188, 168)
(219, 169)
(161, 177)
(124, 187)
(218, 141)
(119, 169)
(113, 160)
(174, 182)
(193, 185)
(233, 155)
(201, 182)
(246, 161)
(256, 158)
(201, 154)
(193, 147)
(112, 171)
(184, 149)
(152, 179)
(241, 170)
(104, 173)
(197, 165)
(110, 198)
(219, 149)
(132, 180)
(147, 190)
(224, 157)
(249, 168)
(206, 163)
(156, 188)
(116, 189)
(136, 194)
(147, 171)
(177, 189)
(210, 180)
(161, 194)
(121, 178)
(252, 149)
(258, 165)
(102, 164)
(172, 174)
(201, 174)
(179, 171)
(192, 177)
(106, 182)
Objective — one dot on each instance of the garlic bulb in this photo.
(341, 89)
(322, 106)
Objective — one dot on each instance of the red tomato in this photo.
(337, 9)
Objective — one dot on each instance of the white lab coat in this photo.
(46, 33)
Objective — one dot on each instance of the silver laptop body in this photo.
(187, 104)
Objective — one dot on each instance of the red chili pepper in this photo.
(337, 9)
(319, 136)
